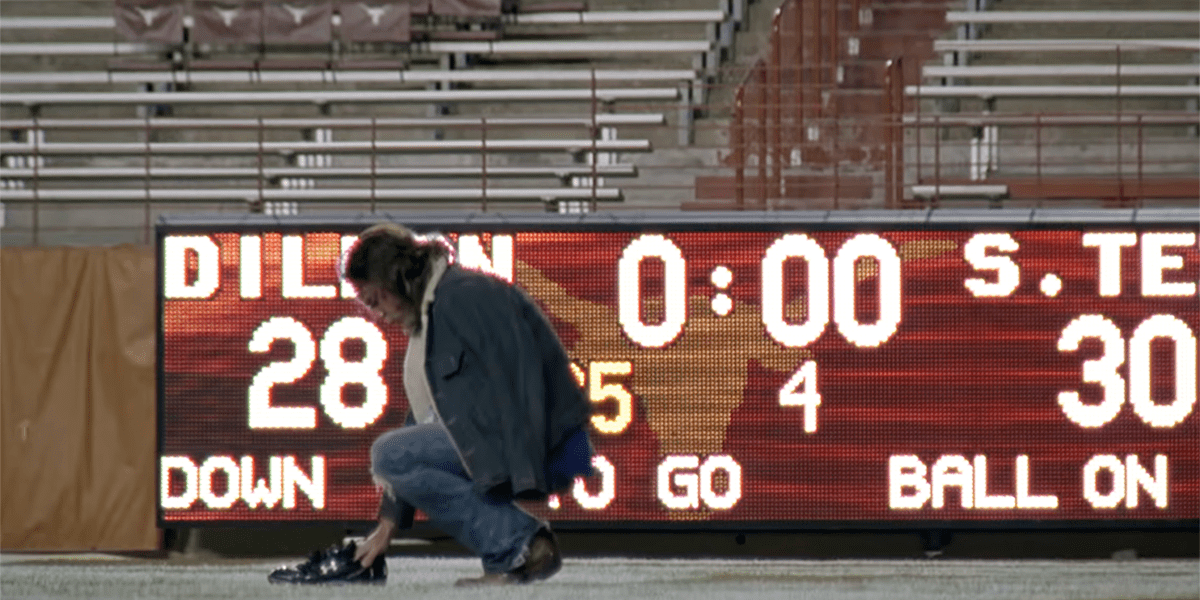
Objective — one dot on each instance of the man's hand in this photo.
(376, 543)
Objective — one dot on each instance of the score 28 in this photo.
(366, 372)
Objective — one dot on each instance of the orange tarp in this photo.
(77, 400)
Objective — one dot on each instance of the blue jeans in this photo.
(422, 468)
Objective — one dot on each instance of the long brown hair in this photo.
(393, 257)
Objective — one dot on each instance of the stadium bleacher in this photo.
(687, 104)
(1002, 62)
(186, 67)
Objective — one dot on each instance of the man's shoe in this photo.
(332, 566)
(544, 558)
(542, 562)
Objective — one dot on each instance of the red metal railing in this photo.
(819, 79)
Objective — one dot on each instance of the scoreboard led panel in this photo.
(743, 370)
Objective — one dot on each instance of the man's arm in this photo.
(376, 543)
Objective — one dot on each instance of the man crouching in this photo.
(495, 414)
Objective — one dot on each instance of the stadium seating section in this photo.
(121, 109)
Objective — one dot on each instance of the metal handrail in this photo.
(168, 123)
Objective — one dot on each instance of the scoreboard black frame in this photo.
(868, 370)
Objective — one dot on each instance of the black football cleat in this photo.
(333, 566)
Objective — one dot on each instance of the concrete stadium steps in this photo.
(835, 115)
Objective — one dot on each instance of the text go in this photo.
(696, 482)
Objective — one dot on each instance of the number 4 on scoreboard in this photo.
(801, 390)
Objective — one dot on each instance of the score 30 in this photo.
(1154, 263)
